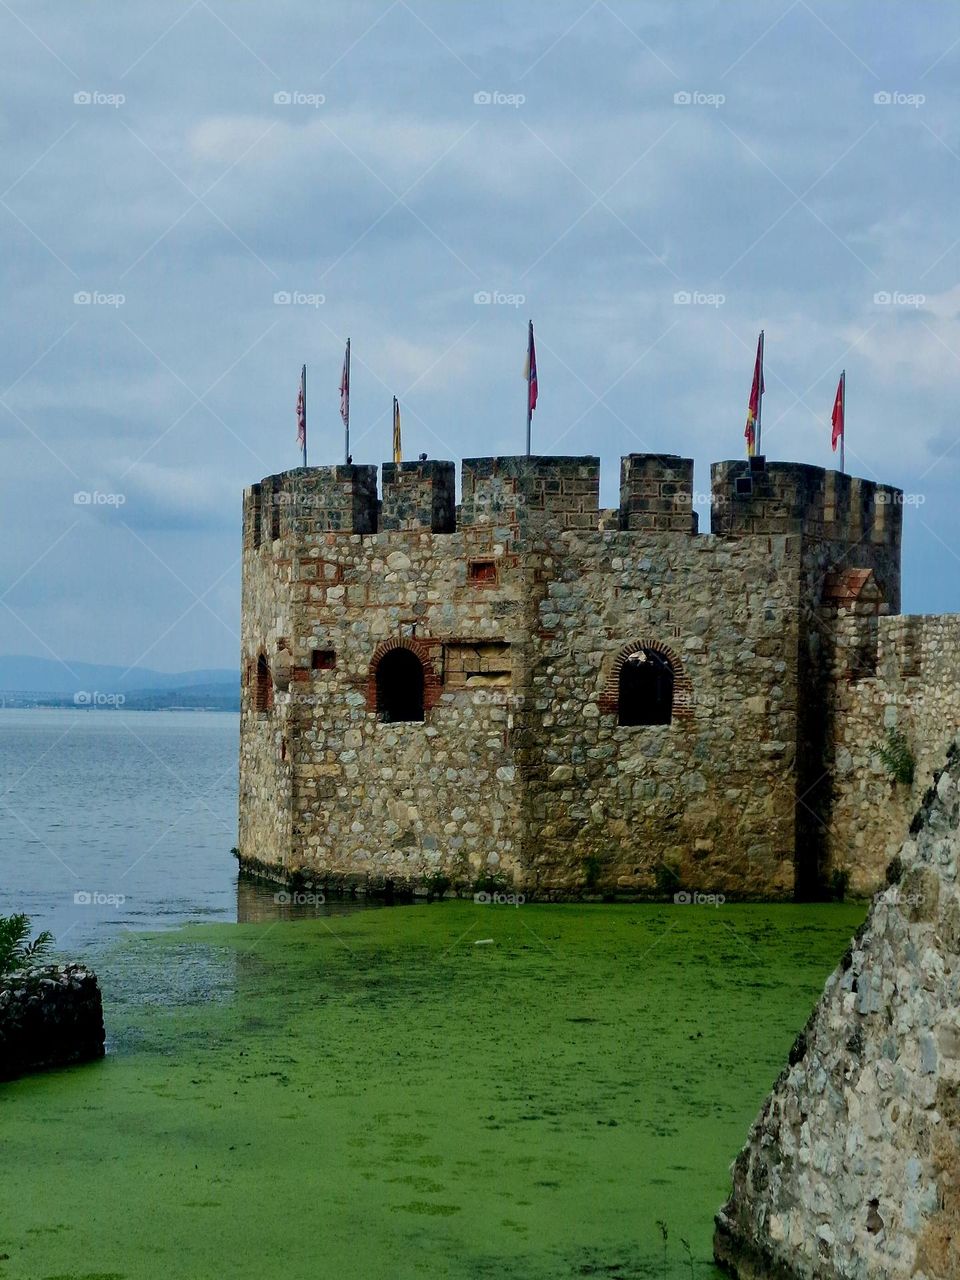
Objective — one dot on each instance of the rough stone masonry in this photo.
(571, 700)
(852, 1169)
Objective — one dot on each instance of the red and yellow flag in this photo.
(751, 432)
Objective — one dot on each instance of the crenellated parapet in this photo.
(754, 496)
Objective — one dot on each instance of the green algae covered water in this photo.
(451, 1090)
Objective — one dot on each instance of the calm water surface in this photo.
(137, 810)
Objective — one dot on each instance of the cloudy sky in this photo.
(182, 163)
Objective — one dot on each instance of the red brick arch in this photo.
(682, 688)
(432, 685)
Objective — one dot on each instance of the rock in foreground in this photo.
(50, 1016)
(852, 1169)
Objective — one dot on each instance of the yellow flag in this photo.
(397, 449)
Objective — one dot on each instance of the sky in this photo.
(198, 196)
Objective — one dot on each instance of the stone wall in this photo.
(900, 673)
(522, 605)
(852, 1169)
(50, 1016)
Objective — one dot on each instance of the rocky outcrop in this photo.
(852, 1169)
(49, 1017)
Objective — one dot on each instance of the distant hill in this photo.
(46, 676)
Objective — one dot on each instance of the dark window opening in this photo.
(744, 486)
(323, 660)
(482, 570)
(274, 516)
(646, 689)
(400, 686)
(263, 694)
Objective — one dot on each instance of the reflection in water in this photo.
(259, 902)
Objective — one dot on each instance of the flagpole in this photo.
(304, 376)
(529, 376)
(346, 420)
(759, 444)
(843, 409)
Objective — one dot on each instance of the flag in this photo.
(302, 412)
(838, 408)
(530, 372)
(397, 450)
(753, 411)
(345, 387)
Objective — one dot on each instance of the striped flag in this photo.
(397, 448)
(752, 430)
(530, 371)
(345, 387)
(302, 414)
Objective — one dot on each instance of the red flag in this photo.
(838, 408)
(302, 412)
(753, 410)
(530, 372)
(345, 387)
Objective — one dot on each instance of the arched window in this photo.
(645, 694)
(400, 686)
(263, 693)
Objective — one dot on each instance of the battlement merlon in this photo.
(855, 522)
(756, 496)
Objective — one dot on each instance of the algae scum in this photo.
(455, 1090)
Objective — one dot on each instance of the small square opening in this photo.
(323, 659)
(744, 486)
(482, 570)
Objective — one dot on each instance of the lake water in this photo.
(116, 821)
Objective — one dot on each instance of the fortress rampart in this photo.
(530, 689)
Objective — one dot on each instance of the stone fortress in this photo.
(528, 691)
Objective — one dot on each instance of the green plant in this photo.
(437, 885)
(491, 882)
(839, 883)
(15, 949)
(664, 1233)
(896, 757)
(689, 1252)
(668, 880)
(591, 870)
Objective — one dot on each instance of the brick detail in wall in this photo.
(682, 688)
(432, 684)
